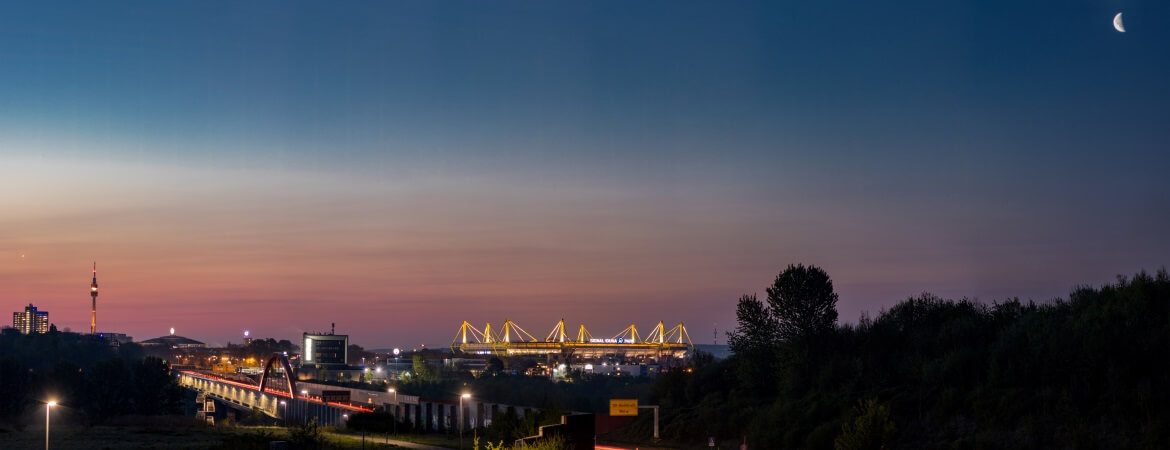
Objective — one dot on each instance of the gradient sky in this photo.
(398, 167)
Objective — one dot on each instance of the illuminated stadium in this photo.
(511, 340)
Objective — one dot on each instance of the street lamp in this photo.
(304, 405)
(395, 415)
(284, 411)
(48, 406)
(463, 397)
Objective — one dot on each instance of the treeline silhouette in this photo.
(90, 379)
(1087, 372)
(261, 349)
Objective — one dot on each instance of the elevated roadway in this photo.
(276, 403)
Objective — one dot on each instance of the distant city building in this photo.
(325, 349)
(172, 341)
(115, 339)
(324, 357)
(618, 370)
(31, 320)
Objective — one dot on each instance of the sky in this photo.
(399, 167)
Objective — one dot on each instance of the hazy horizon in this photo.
(397, 168)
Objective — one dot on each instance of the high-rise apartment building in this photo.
(31, 320)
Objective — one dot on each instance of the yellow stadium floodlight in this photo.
(658, 336)
(629, 335)
(583, 335)
(487, 333)
(678, 335)
(557, 334)
(513, 332)
(467, 334)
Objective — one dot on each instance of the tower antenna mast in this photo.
(93, 293)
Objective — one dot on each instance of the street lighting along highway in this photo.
(48, 406)
(465, 396)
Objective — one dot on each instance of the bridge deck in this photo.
(272, 402)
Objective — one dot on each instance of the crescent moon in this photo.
(1117, 23)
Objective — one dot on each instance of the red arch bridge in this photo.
(275, 396)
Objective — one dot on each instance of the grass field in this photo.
(112, 438)
(194, 437)
(437, 439)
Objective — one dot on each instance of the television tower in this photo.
(93, 297)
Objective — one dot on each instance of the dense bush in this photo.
(1089, 371)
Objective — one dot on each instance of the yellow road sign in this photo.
(623, 407)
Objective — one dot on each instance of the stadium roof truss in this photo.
(511, 339)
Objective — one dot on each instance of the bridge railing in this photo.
(350, 406)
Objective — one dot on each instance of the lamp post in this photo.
(395, 415)
(304, 405)
(284, 412)
(48, 406)
(461, 398)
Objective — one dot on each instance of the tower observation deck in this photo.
(511, 340)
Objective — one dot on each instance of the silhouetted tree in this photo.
(803, 302)
(109, 387)
(756, 328)
(261, 349)
(154, 389)
(754, 344)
